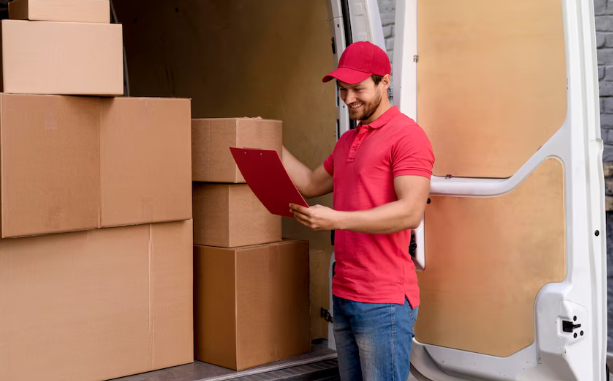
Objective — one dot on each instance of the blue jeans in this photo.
(373, 340)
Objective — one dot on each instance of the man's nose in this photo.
(350, 97)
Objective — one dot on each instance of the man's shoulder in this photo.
(402, 125)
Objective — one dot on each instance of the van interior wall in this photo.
(237, 58)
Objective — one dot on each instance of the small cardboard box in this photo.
(230, 215)
(94, 11)
(66, 58)
(212, 139)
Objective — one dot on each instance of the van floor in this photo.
(320, 364)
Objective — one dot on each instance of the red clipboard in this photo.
(268, 179)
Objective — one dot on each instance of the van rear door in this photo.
(514, 284)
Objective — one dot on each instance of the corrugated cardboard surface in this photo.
(215, 305)
(211, 139)
(266, 318)
(50, 164)
(230, 215)
(94, 11)
(96, 305)
(145, 160)
(41, 57)
(54, 174)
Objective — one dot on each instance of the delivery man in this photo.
(380, 173)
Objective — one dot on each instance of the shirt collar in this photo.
(383, 119)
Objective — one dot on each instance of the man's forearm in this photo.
(386, 219)
(298, 172)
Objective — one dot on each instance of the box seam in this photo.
(228, 227)
(2, 212)
(236, 338)
(150, 302)
(100, 159)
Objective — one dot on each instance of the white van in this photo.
(512, 248)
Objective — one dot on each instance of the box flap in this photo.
(273, 320)
(215, 305)
(145, 160)
(172, 285)
(50, 173)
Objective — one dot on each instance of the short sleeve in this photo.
(329, 164)
(412, 154)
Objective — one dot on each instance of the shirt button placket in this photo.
(357, 143)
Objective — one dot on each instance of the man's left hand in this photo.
(317, 217)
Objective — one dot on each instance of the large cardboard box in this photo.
(251, 304)
(145, 160)
(42, 57)
(61, 10)
(61, 171)
(211, 139)
(49, 164)
(96, 305)
(230, 215)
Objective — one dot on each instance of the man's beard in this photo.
(368, 109)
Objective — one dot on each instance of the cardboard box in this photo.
(94, 11)
(251, 304)
(230, 215)
(96, 305)
(319, 292)
(43, 57)
(211, 139)
(49, 164)
(61, 171)
(145, 160)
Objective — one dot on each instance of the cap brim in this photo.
(347, 75)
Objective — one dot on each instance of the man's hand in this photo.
(316, 217)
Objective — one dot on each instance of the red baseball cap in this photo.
(359, 61)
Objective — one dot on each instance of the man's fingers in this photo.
(300, 209)
(302, 218)
(305, 220)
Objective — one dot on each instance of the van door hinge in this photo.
(416, 58)
(326, 315)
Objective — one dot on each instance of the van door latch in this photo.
(326, 315)
(569, 326)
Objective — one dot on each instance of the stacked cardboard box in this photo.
(112, 294)
(251, 288)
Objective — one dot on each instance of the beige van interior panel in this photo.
(491, 82)
(237, 58)
(486, 260)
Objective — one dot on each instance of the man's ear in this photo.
(386, 81)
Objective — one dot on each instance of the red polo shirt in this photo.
(376, 268)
